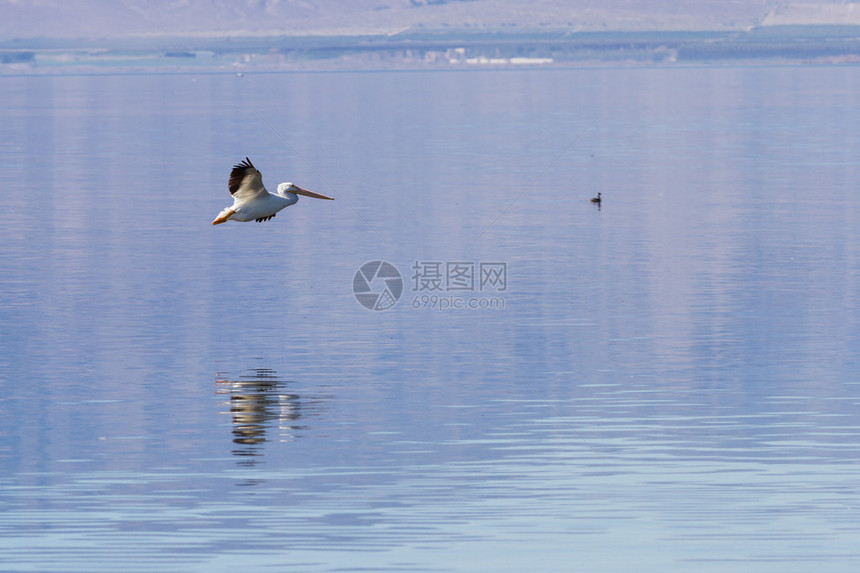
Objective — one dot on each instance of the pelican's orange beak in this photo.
(306, 193)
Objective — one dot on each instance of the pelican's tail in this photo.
(224, 216)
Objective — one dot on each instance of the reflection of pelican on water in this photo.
(257, 403)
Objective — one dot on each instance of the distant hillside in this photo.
(121, 18)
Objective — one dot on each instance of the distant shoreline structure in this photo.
(433, 50)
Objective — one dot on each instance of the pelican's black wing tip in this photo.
(244, 164)
(237, 175)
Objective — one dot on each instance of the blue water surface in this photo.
(665, 382)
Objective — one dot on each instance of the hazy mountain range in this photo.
(123, 18)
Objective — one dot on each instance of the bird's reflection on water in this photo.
(262, 410)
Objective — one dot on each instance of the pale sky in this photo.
(112, 18)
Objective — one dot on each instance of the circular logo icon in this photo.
(377, 285)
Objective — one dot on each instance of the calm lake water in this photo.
(667, 382)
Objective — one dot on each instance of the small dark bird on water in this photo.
(596, 199)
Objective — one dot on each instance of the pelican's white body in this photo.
(260, 206)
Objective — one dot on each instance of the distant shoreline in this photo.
(433, 50)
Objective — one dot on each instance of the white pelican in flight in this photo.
(251, 201)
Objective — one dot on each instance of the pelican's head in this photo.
(289, 188)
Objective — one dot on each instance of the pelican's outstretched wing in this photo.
(246, 183)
